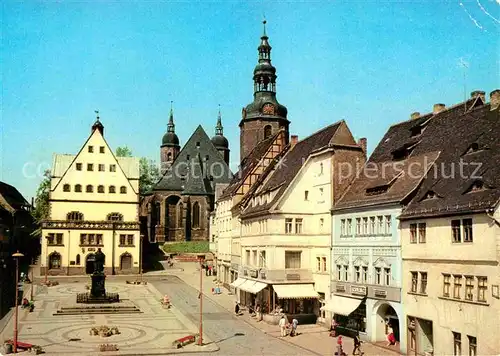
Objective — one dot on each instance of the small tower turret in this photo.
(219, 141)
(170, 147)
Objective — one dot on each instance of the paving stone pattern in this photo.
(150, 332)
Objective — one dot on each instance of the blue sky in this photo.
(371, 63)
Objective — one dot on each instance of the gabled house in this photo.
(94, 204)
(450, 237)
(285, 238)
(366, 243)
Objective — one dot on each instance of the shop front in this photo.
(296, 301)
(349, 314)
(250, 293)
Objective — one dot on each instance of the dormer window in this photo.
(474, 147)
(381, 189)
(430, 195)
(404, 152)
(477, 186)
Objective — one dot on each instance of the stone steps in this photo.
(98, 309)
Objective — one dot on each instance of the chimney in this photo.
(438, 108)
(479, 93)
(495, 99)
(363, 142)
(293, 140)
(415, 115)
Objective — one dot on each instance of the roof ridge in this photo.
(321, 130)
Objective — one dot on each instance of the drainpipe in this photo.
(113, 250)
(69, 252)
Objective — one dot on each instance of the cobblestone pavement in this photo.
(260, 337)
(148, 333)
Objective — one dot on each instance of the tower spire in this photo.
(171, 125)
(264, 74)
(219, 129)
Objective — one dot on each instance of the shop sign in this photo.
(340, 288)
(358, 290)
(380, 293)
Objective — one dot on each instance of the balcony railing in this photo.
(90, 225)
(277, 275)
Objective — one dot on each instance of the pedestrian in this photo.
(295, 322)
(357, 344)
(237, 309)
(282, 325)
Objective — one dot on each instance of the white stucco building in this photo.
(94, 204)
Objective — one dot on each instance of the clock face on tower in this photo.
(268, 109)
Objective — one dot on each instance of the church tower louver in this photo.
(265, 116)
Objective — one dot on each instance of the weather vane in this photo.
(97, 114)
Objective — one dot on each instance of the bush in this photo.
(187, 247)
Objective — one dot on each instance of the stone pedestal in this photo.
(97, 289)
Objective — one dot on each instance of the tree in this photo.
(148, 171)
(41, 210)
(148, 175)
(123, 152)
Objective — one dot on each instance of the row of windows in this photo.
(382, 276)
(471, 287)
(474, 286)
(100, 167)
(90, 189)
(78, 216)
(91, 149)
(255, 258)
(89, 239)
(55, 260)
(373, 225)
(459, 229)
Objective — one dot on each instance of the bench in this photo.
(184, 341)
(20, 345)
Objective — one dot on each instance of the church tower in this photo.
(170, 144)
(219, 141)
(264, 116)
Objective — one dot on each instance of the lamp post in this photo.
(200, 339)
(32, 282)
(16, 256)
(46, 260)
(140, 255)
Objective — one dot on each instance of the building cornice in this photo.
(90, 225)
(91, 201)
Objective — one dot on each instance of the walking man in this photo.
(357, 345)
(282, 325)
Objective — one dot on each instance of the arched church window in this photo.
(180, 207)
(196, 214)
(267, 131)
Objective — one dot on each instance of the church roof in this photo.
(197, 167)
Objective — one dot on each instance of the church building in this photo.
(178, 206)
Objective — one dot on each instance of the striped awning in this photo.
(295, 291)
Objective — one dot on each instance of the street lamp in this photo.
(16, 256)
(46, 260)
(201, 258)
(141, 237)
